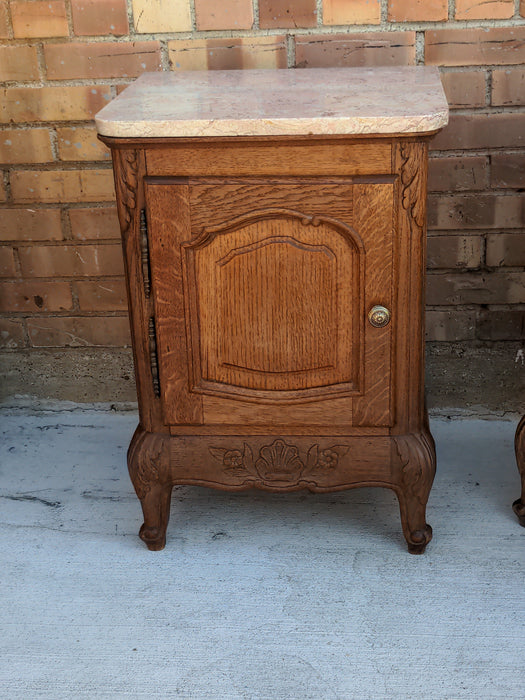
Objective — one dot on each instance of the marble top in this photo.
(310, 101)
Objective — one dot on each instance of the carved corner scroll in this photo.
(126, 186)
(413, 180)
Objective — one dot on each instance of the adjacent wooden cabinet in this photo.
(519, 505)
(276, 302)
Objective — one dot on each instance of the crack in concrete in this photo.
(34, 499)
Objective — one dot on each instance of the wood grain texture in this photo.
(272, 294)
(519, 445)
(411, 163)
(168, 217)
(373, 218)
(264, 158)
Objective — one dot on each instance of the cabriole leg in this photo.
(149, 469)
(416, 461)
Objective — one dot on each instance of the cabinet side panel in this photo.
(168, 215)
(373, 219)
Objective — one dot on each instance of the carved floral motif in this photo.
(278, 461)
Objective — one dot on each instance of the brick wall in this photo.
(61, 60)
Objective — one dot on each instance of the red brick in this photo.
(353, 12)
(376, 49)
(25, 146)
(451, 289)
(90, 224)
(506, 250)
(11, 333)
(453, 174)
(475, 47)
(464, 89)
(107, 295)
(80, 143)
(508, 87)
(227, 14)
(96, 17)
(226, 54)
(62, 186)
(285, 14)
(476, 211)
(35, 296)
(417, 10)
(3, 193)
(18, 63)
(482, 131)
(71, 261)
(103, 331)
(454, 251)
(481, 9)
(522, 8)
(30, 225)
(507, 170)
(4, 20)
(7, 262)
(119, 59)
(52, 103)
(450, 325)
(162, 16)
(39, 19)
(501, 324)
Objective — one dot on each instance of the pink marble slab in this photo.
(312, 101)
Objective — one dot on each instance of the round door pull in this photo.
(379, 316)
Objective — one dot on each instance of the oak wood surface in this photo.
(265, 159)
(249, 282)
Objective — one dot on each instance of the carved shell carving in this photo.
(278, 462)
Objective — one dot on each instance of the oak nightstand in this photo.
(273, 224)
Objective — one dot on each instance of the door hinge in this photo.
(144, 253)
(153, 356)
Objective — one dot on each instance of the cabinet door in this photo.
(262, 290)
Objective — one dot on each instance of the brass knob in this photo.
(379, 316)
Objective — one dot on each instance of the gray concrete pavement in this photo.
(256, 595)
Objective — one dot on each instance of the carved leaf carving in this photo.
(127, 187)
(412, 174)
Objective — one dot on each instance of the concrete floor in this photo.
(256, 595)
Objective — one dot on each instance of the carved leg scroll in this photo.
(149, 469)
(416, 461)
(519, 505)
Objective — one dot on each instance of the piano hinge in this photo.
(153, 357)
(144, 253)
